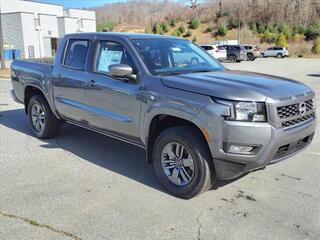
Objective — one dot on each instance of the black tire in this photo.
(233, 58)
(203, 175)
(279, 55)
(51, 123)
(250, 57)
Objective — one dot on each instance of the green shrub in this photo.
(286, 30)
(209, 29)
(316, 46)
(194, 40)
(176, 33)
(269, 37)
(156, 28)
(281, 40)
(148, 30)
(181, 28)
(164, 27)
(194, 23)
(173, 22)
(234, 23)
(222, 31)
(106, 26)
(188, 34)
(254, 27)
(261, 29)
(312, 32)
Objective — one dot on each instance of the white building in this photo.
(34, 28)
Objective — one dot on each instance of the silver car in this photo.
(279, 52)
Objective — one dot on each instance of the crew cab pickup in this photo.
(197, 121)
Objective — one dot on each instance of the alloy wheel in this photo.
(177, 164)
(38, 117)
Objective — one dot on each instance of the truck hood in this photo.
(236, 85)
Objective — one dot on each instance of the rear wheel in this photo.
(233, 58)
(279, 55)
(182, 162)
(250, 57)
(43, 122)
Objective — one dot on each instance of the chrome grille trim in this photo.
(293, 109)
(283, 111)
(297, 120)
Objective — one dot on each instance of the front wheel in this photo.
(43, 122)
(182, 162)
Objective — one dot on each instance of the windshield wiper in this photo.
(172, 73)
(200, 71)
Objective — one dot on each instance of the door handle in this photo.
(92, 84)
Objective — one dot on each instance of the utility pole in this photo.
(239, 20)
(3, 65)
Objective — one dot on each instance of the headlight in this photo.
(250, 111)
(245, 111)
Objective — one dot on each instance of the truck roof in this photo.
(122, 35)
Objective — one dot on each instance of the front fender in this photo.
(169, 107)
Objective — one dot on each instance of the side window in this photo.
(204, 47)
(109, 53)
(210, 48)
(76, 54)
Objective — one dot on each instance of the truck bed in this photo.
(30, 72)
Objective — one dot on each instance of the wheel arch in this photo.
(32, 90)
(161, 122)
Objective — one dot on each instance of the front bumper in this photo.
(276, 145)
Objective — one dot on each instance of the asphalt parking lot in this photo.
(83, 185)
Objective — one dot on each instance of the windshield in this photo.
(174, 56)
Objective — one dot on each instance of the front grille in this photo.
(297, 120)
(293, 109)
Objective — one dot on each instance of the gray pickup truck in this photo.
(197, 121)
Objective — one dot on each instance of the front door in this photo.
(113, 104)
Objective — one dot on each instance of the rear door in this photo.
(113, 104)
(70, 79)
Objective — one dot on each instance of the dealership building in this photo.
(32, 29)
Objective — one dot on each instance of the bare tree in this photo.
(194, 4)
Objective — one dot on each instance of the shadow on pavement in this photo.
(106, 152)
(313, 75)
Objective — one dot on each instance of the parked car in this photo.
(197, 121)
(235, 53)
(218, 52)
(252, 52)
(279, 52)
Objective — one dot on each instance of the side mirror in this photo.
(122, 71)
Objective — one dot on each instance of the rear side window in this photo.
(76, 54)
(210, 48)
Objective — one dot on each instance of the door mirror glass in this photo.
(122, 71)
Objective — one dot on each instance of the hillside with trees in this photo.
(292, 23)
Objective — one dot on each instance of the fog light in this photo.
(235, 148)
(240, 149)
